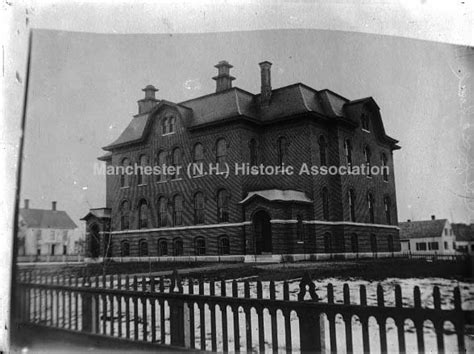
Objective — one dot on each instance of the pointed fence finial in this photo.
(176, 282)
(307, 285)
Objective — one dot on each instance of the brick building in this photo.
(201, 213)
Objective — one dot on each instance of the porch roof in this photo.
(278, 195)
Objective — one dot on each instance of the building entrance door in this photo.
(94, 245)
(263, 233)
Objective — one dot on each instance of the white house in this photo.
(464, 238)
(45, 232)
(427, 237)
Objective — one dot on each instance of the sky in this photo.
(84, 88)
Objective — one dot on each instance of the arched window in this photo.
(162, 211)
(198, 159)
(386, 206)
(354, 243)
(172, 124)
(143, 248)
(384, 167)
(142, 214)
(224, 245)
(327, 243)
(162, 247)
(177, 247)
(198, 153)
(299, 228)
(200, 246)
(351, 197)
(177, 210)
(199, 208)
(364, 121)
(176, 160)
(125, 215)
(124, 248)
(164, 126)
(140, 176)
(370, 205)
(222, 205)
(325, 200)
(221, 152)
(253, 152)
(390, 243)
(282, 146)
(367, 155)
(162, 164)
(124, 177)
(348, 151)
(322, 151)
(373, 243)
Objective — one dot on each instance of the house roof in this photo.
(100, 213)
(47, 219)
(422, 229)
(463, 232)
(278, 195)
(288, 101)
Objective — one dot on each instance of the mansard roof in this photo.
(234, 103)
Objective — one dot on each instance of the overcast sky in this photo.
(84, 88)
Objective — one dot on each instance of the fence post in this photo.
(177, 314)
(311, 326)
(89, 304)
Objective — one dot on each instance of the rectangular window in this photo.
(446, 246)
(421, 246)
(433, 246)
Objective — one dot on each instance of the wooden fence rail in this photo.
(214, 316)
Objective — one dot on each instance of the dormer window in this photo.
(364, 120)
(168, 124)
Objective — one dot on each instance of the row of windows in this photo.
(175, 248)
(352, 206)
(328, 246)
(431, 246)
(170, 211)
(175, 157)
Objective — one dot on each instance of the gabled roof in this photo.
(47, 219)
(463, 232)
(422, 229)
(374, 107)
(136, 129)
(99, 213)
(278, 195)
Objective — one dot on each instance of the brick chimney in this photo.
(433, 217)
(223, 78)
(53, 205)
(146, 104)
(27, 203)
(266, 83)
